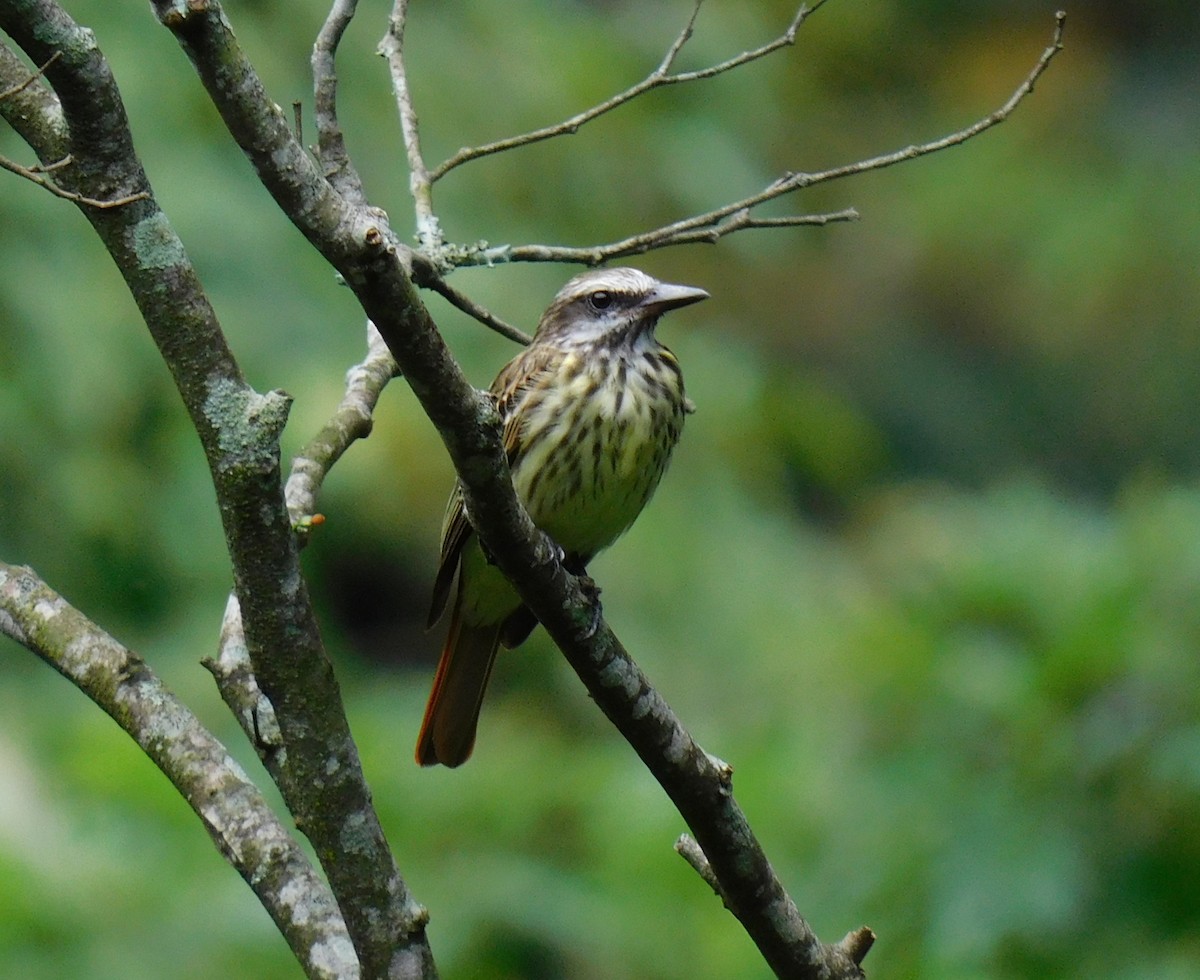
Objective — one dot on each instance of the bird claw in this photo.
(591, 592)
(554, 551)
(588, 586)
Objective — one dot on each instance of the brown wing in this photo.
(516, 378)
(525, 375)
(456, 529)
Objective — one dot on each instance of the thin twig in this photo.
(352, 420)
(33, 77)
(34, 174)
(331, 144)
(420, 183)
(729, 218)
(425, 273)
(687, 848)
(679, 233)
(468, 306)
(660, 77)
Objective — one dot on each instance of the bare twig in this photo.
(660, 77)
(351, 421)
(233, 811)
(728, 218)
(468, 306)
(35, 175)
(9, 92)
(687, 848)
(331, 144)
(426, 274)
(420, 182)
(687, 232)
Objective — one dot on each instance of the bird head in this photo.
(611, 305)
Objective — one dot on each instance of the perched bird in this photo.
(591, 411)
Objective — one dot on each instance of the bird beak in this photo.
(665, 297)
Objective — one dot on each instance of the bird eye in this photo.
(601, 299)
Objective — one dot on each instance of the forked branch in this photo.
(660, 77)
(237, 817)
(420, 181)
(736, 216)
(331, 143)
(39, 175)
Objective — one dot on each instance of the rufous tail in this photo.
(448, 731)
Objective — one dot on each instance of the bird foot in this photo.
(591, 592)
(554, 550)
(588, 586)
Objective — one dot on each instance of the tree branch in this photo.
(735, 216)
(698, 785)
(426, 274)
(331, 143)
(233, 811)
(660, 77)
(420, 182)
(352, 420)
(239, 429)
(704, 229)
(378, 269)
(37, 176)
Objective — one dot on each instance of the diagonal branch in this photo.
(239, 429)
(378, 268)
(352, 420)
(16, 88)
(735, 216)
(235, 814)
(331, 143)
(660, 77)
(426, 274)
(37, 175)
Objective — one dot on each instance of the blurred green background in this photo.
(925, 569)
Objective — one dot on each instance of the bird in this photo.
(590, 412)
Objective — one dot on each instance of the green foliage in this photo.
(924, 571)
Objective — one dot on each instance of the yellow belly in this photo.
(586, 480)
(606, 442)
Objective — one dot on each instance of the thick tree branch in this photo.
(698, 785)
(233, 811)
(239, 429)
(379, 270)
